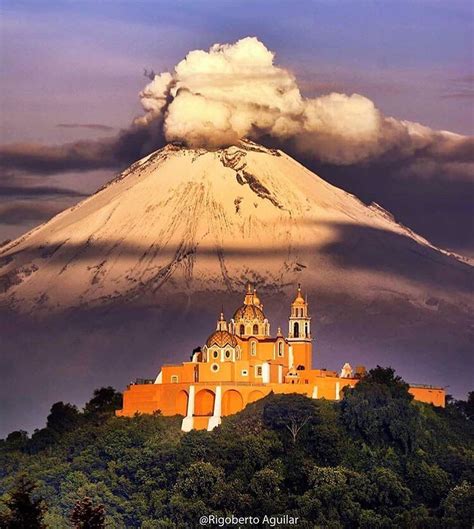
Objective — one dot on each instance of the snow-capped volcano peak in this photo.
(191, 220)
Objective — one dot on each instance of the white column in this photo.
(215, 420)
(266, 373)
(315, 392)
(290, 356)
(337, 390)
(188, 421)
(280, 374)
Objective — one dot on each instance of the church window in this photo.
(258, 371)
(280, 349)
(215, 354)
(296, 330)
(174, 379)
(245, 373)
(242, 330)
(306, 329)
(215, 367)
(227, 354)
(255, 329)
(253, 348)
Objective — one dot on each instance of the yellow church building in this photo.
(240, 363)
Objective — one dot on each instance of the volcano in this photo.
(141, 268)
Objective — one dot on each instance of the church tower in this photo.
(299, 332)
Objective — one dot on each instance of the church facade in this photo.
(242, 362)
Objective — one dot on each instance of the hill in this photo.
(377, 459)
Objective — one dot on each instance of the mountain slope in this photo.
(191, 220)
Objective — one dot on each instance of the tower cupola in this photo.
(299, 325)
(221, 322)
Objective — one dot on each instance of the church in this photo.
(242, 362)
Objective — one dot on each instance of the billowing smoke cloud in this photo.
(213, 98)
(233, 91)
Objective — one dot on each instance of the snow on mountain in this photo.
(189, 220)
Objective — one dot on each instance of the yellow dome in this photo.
(221, 339)
(249, 313)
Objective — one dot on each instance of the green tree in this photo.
(24, 511)
(86, 515)
(459, 507)
(62, 417)
(466, 407)
(332, 499)
(41, 440)
(430, 483)
(195, 493)
(265, 487)
(17, 440)
(379, 410)
(388, 491)
(104, 403)
(291, 414)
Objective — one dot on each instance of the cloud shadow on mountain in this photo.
(355, 247)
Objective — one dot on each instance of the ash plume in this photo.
(214, 98)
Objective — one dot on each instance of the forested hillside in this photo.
(376, 459)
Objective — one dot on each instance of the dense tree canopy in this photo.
(376, 459)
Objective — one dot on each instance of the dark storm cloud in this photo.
(91, 126)
(460, 88)
(19, 190)
(435, 200)
(20, 212)
(85, 155)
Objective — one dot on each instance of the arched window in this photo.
(306, 330)
(242, 330)
(296, 330)
(253, 348)
(255, 329)
(280, 348)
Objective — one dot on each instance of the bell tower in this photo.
(299, 332)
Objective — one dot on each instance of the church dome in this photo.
(249, 313)
(221, 339)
